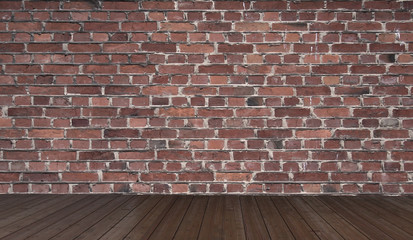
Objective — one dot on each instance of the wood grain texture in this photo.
(206, 217)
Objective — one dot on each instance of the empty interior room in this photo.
(210, 119)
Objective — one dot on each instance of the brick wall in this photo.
(273, 97)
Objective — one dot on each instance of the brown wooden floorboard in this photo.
(191, 223)
(204, 217)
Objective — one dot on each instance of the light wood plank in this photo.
(123, 227)
(294, 221)
(191, 223)
(148, 224)
(345, 228)
(316, 223)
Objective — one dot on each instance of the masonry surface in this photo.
(260, 97)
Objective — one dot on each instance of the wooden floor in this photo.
(204, 217)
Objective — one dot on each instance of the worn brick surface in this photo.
(240, 97)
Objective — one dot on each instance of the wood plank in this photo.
(123, 227)
(350, 215)
(191, 223)
(148, 224)
(42, 223)
(233, 220)
(35, 206)
(212, 223)
(11, 201)
(390, 207)
(375, 219)
(58, 226)
(294, 221)
(394, 201)
(15, 226)
(253, 221)
(274, 222)
(75, 230)
(170, 223)
(343, 227)
(316, 223)
(384, 213)
(112, 219)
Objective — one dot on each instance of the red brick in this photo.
(329, 155)
(79, 177)
(311, 176)
(27, 26)
(356, 48)
(251, 155)
(291, 112)
(158, 5)
(96, 155)
(46, 133)
(313, 133)
(96, 27)
(59, 26)
(271, 177)
(391, 133)
(214, 27)
(216, 69)
(369, 155)
(11, 47)
(196, 176)
(225, 48)
(252, 27)
(177, 112)
(196, 48)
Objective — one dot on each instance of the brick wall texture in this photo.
(206, 97)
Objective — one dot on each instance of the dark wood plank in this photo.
(9, 202)
(233, 220)
(16, 214)
(390, 207)
(316, 223)
(148, 224)
(123, 227)
(213, 219)
(29, 219)
(76, 216)
(350, 215)
(42, 223)
(385, 214)
(170, 223)
(395, 201)
(374, 218)
(276, 226)
(253, 222)
(345, 228)
(112, 219)
(294, 221)
(191, 223)
(76, 229)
